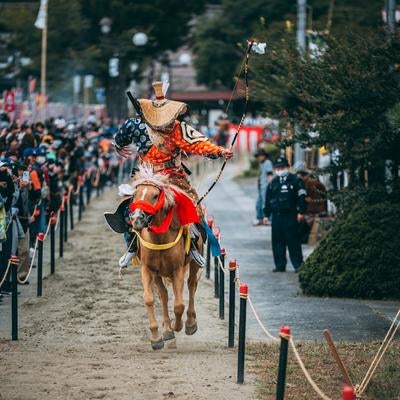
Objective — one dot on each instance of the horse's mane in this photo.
(146, 174)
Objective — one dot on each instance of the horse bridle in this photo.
(148, 216)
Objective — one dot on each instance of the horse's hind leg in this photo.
(177, 284)
(148, 283)
(191, 322)
(168, 333)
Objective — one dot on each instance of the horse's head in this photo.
(151, 195)
(146, 202)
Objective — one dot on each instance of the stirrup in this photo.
(197, 257)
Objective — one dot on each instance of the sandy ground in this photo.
(88, 337)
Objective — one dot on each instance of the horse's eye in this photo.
(155, 197)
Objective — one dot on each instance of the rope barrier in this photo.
(47, 230)
(381, 351)
(31, 264)
(306, 373)
(374, 364)
(44, 237)
(23, 281)
(262, 326)
(58, 215)
(5, 274)
(221, 266)
(276, 340)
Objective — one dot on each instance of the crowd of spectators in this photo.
(39, 163)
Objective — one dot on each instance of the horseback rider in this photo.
(160, 139)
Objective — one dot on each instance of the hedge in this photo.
(360, 256)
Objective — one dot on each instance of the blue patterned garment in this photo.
(134, 131)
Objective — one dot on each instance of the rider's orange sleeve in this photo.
(188, 139)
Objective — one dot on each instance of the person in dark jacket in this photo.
(285, 201)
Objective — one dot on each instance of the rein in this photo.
(146, 206)
(154, 209)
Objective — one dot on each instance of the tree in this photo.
(344, 96)
(347, 100)
(216, 39)
(219, 42)
(75, 42)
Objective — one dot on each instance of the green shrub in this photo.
(360, 256)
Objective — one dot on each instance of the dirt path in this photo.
(88, 338)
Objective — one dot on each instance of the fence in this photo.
(59, 224)
(63, 221)
(285, 338)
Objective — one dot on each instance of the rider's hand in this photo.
(227, 154)
(125, 151)
(300, 217)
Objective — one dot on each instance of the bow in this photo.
(246, 79)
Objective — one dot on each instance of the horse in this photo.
(163, 252)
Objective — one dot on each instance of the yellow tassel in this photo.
(187, 244)
(135, 261)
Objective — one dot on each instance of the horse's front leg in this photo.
(168, 333)
(191, 322)
(178, 284)
(157, 342)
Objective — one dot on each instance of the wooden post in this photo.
(337, 358)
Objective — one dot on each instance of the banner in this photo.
(9, 102)
(41, 19)
(248, 137)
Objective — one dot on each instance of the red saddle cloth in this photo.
(185, 208)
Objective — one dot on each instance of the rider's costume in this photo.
(161, 139)
(164, 149)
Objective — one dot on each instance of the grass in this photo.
(384, 385)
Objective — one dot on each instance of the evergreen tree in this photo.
(344, 97)
(76, 44)
(219, 41)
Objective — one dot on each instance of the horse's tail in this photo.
(166, 281)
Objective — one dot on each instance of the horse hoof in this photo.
(175, 327)
(157, 345)
(191, 329)
(168, 335)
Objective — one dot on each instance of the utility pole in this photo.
(391, 16)
(301, 24)
(301, 43)
(43, 69)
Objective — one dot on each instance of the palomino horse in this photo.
(163, 253)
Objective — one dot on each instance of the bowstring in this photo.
(245, 65)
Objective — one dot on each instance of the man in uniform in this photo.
(286, 202)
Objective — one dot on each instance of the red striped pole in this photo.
(210, 223)
(232, 296)
(40, 237)
(53, 221)
(244, 293)
(283, 356)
